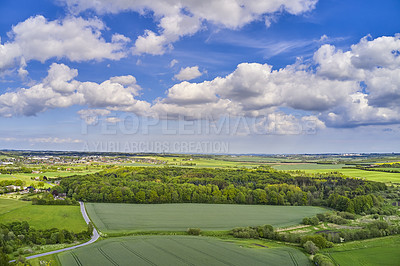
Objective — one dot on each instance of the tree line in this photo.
(238, 186)
(20, 238)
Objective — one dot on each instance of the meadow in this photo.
(42, 216)
(378, 251)
(123, 218)
(179, 250)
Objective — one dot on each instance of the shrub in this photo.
(314, 220)
(336, 219)
(245, 232)
(318, 240)
(306, 220)
(321, 217)
(310, 247)
(194, 231)
(347, 215)
(311, 221)
(322, 260)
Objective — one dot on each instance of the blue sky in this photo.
(274, 76)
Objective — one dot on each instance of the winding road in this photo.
(95, 236)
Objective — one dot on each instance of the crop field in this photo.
(307, 166)
(115, 218)
(178, 250)
(369, 175)
(208, 163)
(327, 168)
(379, 251)
(42, 216)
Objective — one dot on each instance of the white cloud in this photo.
(287, 124)
(91, 116)
(347, 89)
(59, 90)
(357, 111)
(173, 62)
(150, 43)
(54, 140)
(73, 38)
(178, 18)
(338, 89)
(113, 120)
(188, 73)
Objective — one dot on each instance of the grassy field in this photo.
(117, 218)
(210, 163)
(41, 216)
(179, 250)
(307, 166)
(369, 175)
(27, 177)
(378, 251)
(327, 168)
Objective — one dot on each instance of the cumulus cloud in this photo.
(73, 38)
(338, 89)
(91, 116)
(59, 90)
(188, 73)
(254, 88)
(288, 124)
(178, 18)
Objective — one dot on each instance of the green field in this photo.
(307, 166)
(27, 177)
(179, 250)
(378, 251)
(117, 218)
(209, 162)
(8, 205)
(369, 175)
(42, 216)
(327, 168)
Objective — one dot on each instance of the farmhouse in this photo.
(13, 188)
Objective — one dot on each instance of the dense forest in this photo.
(240, 186)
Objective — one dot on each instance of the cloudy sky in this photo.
(211, 76)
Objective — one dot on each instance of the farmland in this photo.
(179, 250)
(41, 216)
(147, 209)
(327, 168)
(380, 251)
(115, 218)
(368, 175)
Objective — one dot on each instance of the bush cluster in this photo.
(267, 231)
(194, 231)
(47, 199)
(15, 235)
(322, 260)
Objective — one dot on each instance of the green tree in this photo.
(310, 247)
(140, 197)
